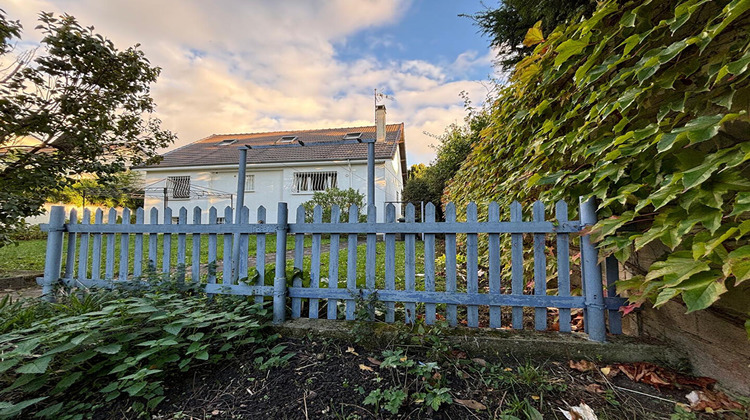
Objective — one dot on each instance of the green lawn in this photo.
(29, 255)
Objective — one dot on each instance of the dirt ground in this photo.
(325, 379)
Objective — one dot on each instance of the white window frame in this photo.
(314, 181)
(250, 183)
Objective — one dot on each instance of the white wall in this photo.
(273, 183)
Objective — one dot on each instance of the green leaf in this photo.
(38, 365)
(134, 389)
(173, 329)
(677, 267)
(570, 48)
(202, 355)
(67, 381)
(16, 409)
(196, 336)
(738, 264)
(703, 293)
(49, 411)
(109, 349)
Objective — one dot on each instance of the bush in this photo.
(61, 361)
(644, 106)
(334, 196)
(28, 233)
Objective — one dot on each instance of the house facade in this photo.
(288, 166)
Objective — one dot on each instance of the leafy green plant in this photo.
(75, 359)
(644, 106)
(422, 382)
(273, 357)
(334, 196)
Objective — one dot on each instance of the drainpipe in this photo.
(238, 213)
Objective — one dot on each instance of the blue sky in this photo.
(237, 66)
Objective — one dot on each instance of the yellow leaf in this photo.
(534, 35)
(351, 350)
(535, 397)
(606, 370)
(365, 367)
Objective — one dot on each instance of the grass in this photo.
(29, 256)
(22, 256)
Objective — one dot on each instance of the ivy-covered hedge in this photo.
(643, 105)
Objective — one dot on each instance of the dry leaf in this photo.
(351, 350)
(582, 366)
(580, 412)
(535, 397)
(365, 367)
(595, 389)
(710, 401)
(374, 361)
(606, 370)
(480, 362)
(471, 404)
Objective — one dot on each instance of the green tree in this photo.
(87, 103)
(645, 106)
(507, 24)
(342, 198)
(124, 189)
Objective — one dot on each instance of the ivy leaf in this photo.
(703, 292)
(677, 267)
(738, 264)
(534, 35)
(570, 48)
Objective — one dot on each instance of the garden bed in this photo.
(330, 379)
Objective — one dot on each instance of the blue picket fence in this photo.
(407, 293)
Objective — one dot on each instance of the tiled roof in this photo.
(208, 151)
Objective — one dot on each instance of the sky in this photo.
(240, 66)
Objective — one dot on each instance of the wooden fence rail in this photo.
(409, 279)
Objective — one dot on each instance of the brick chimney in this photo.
(380, 123)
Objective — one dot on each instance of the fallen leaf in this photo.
(595, 389)
(471, 404)
(365, 367)
(606, 370)
(535, 397)
(580, 412)
(458, 354)
(710, 401)
(374, 361)
(480, 362)
(351, 350)
(582, 366)
(215, 413)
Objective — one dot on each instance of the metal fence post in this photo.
(279, 281)
(53, 258)
(592, 276)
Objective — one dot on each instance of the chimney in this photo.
(379, 123)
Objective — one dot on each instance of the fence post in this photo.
(53, 258)
(592, 276)
(279, 281)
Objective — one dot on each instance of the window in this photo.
(287, 139)
(220, 220)
(352, 136)
(249, 183)
(227, 142)
(179, 186)
(314, 181)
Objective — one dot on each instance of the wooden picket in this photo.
(422, 292)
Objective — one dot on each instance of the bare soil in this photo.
(330, 380)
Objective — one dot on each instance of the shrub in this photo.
(334, 196)
(74, 358)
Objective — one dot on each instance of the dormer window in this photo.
(227, 142)
(352, 136)
(288, 139)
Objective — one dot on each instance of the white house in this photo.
(286, 166)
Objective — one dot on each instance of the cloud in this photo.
(239, 66)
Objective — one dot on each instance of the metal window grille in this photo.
(179, 186)
(220, 220)
(314, 181)
(249, 183)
